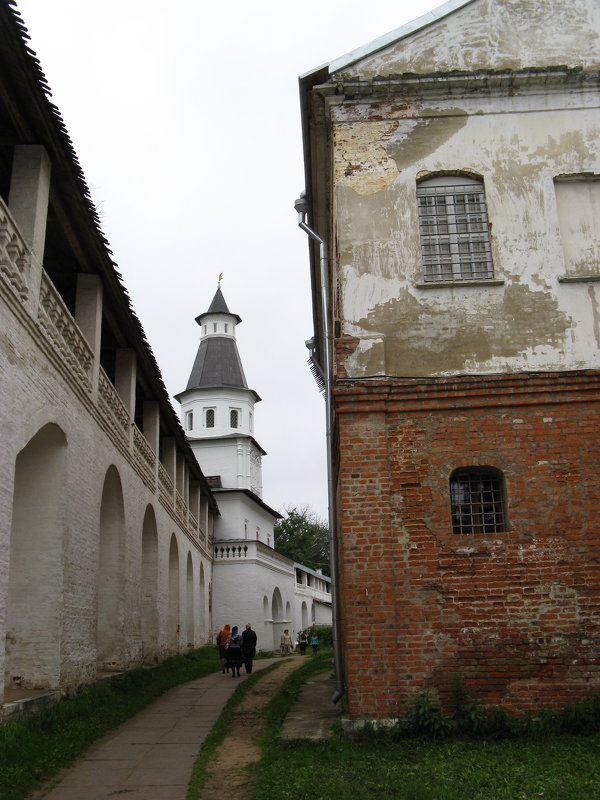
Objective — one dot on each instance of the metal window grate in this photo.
(477, 501)
(454, 228)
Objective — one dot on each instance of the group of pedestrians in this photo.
(303, 642)
(235, 650)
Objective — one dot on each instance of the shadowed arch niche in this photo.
(149, 587)
(111, 574)
(189, 606)
(173, 616)
(277, 616)
(35, 579)
(203, 605)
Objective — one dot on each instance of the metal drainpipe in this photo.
(301, 205)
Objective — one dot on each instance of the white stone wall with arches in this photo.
(95, 573)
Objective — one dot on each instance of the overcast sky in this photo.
(185, 118)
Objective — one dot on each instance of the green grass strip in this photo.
(34, 749)
(375, 765)
(220, 731)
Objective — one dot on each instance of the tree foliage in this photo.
(302, 536)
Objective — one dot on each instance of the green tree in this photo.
(302, 536)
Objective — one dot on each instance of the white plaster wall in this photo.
(222, 400)
(240, 586)
(235, 458)
(236, 509)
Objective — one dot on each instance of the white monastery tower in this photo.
(251, 581)
(218, 407)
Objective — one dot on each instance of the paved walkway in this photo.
(151, 756)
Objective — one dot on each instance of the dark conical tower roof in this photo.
(217, 362)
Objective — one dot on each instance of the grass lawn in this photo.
(377, 767)
(556, 768)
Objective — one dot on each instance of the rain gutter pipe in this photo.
(302, 206)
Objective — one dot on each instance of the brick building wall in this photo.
(515, 614)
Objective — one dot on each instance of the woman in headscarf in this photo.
(222, 638)
(234, 652)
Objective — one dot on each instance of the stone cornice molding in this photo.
(344, 88)
(424, 395)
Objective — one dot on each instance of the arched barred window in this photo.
(454, 229)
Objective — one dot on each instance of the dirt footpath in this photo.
(227, 777)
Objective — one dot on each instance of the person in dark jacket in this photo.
(248, 647)
(234, 652)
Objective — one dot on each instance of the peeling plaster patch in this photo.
(572, 142)
(415, 139)
(361, 293)
(368, 358)
(361, 161)
(595, 312)
(373, 220)
(422, 334)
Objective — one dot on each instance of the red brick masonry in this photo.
(515, 614)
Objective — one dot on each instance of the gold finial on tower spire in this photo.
(220, 279)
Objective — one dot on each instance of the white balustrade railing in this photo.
(59, 328)
(64, 333)
(112, 406)
(15, 257)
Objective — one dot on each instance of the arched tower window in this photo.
(234, 417)
(210, 418)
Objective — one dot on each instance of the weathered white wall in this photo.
(496, 34)
(521, 140)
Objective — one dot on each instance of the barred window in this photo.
(234, 418)
(210, 418)
(477, 500)
(454, 229)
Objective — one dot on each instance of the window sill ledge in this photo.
(579, 278)
(460, 284)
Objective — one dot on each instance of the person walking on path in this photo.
(234, 652)
(314, 643)
(286, 642)
(302, 642)
(222, 637)
(248, 647)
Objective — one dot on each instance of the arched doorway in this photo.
(35, 578)
(111, 574)
(149, 600)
